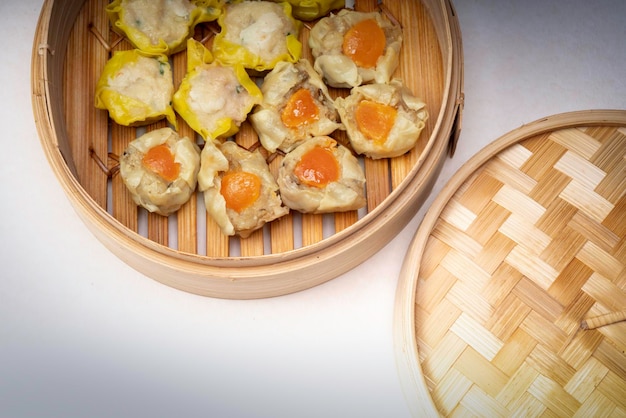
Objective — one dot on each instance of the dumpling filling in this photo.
(240, 193)
(296, 106)
(353, 48)
(382, 120)
(136, 88)
(160, 26)
(215, 99)
(321, 176)
(160, 170)
(257, 35)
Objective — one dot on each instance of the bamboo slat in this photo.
(312, 229)
(187, 250)
(511, 298)
(217, 244)
(123, 208)
(281, 230)
(187, 224)
(82, 119)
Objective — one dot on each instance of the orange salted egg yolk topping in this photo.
(300, 109)
(317, 167)
(374, 119)
(240, 189)
(364, 43)
(160, 160)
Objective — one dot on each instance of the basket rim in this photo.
(405, 339)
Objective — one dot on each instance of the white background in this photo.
(83, 334)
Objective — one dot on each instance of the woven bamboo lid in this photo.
(512, 297)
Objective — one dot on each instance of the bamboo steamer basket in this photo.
(186, 250)
(512, 295)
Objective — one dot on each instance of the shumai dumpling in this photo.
(240, 193)
(312, 9)
(353, 48)
(257, 35)
(382, 120)
(160, 170)
(214, 99)
(296, 106)
(321, 176)
(136, 88)
(161, 26)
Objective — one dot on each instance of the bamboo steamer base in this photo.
(186, 250)
(524, 247)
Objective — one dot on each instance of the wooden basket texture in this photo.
(187, 250)
(523, 250)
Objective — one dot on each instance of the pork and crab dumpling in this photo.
(321, 176)
(382, 120)
(161, 26)
(353, 48)
(257, 35)
(240, 193)
(160, 170)
(136, 88)
(214, 99)
(296, 106)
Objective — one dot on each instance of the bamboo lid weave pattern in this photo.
(519, 255)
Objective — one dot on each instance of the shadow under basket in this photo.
(186, 250)
(512, 297)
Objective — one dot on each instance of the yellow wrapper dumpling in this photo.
(321, 176)
(312, 9)
(240, 193)
(161, 26)
(296, 106)
(136, 88)
(257, 35)
(382, 120)
(352, 48)
(160, 170)
(213, 98)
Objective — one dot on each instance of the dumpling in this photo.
(312, 9)
(240, 193)
(321, 176)
(136, 88)
(257, 35)
(382, 120)
(161, 26)
(214, 99)
(160, 170)
(296, 106)
(352, 48)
